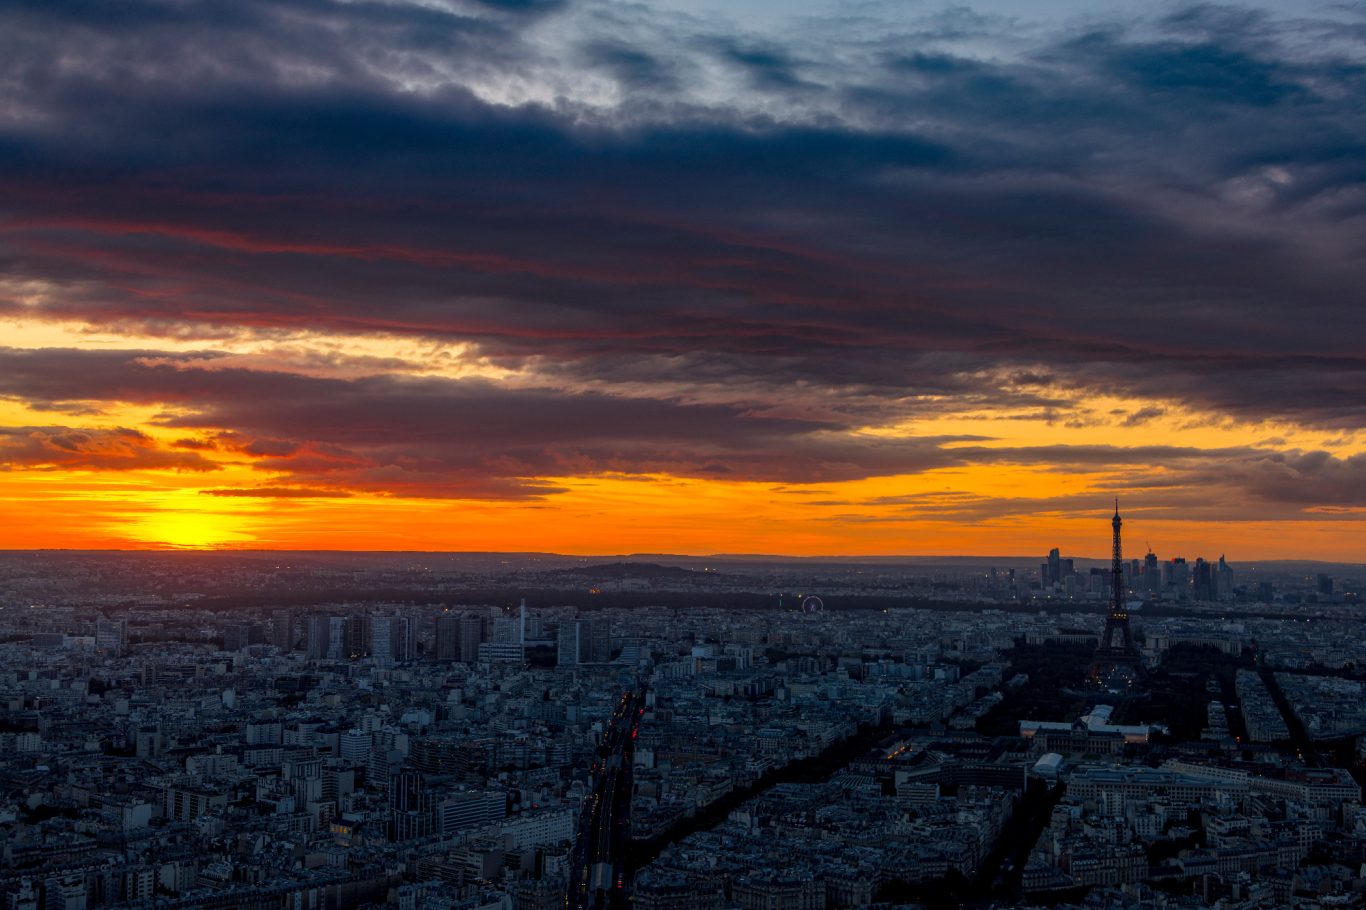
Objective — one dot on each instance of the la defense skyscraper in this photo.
(1117, 668)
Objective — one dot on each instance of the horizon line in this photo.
(266, 551)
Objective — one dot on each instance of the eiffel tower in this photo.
(1116, 668)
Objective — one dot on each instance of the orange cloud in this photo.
(96, 449)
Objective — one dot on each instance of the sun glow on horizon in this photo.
(618, 514)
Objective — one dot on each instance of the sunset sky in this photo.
(758, 277)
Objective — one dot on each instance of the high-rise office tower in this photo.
(600, 639)
(448, 636)
(1152, 573)
(1202, 580)
(1056, 570)
(390, 637)
(357, 637)
(379, 636)
(471, 637)
(1176, 578)
(567, 644)
(403, 637)
(504, 630)
(1223, 580)
(585, 641)
(282, 630)
(315, 636)
(327, 636)
(458, 637)
(236, 636)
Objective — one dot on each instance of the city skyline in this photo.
(431, 744)
(209, 730)
(581, 276)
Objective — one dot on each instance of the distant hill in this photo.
(629, 570)
(518, 561)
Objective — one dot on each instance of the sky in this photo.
(598, 277)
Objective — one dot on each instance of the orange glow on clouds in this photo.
(974, 509)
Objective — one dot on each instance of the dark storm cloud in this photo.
(1203, 72)
(631, 66)
(720, 252)
(766, 67)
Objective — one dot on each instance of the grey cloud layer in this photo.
(442, 437)
(763, 240)
(429, 437)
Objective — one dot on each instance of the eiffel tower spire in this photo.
(1116, 565)
(1117, 668)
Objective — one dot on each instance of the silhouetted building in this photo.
(327, 636)
(1202, 580)
(1055, 570)
(1152, 573)
(1223, 580)
(391, 637)
(458, 636)
(585, 641)
(236, 636)
(282, 630)
(1177, 577)
(447, 636)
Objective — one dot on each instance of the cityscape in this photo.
(682, 454)
(507, 732)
